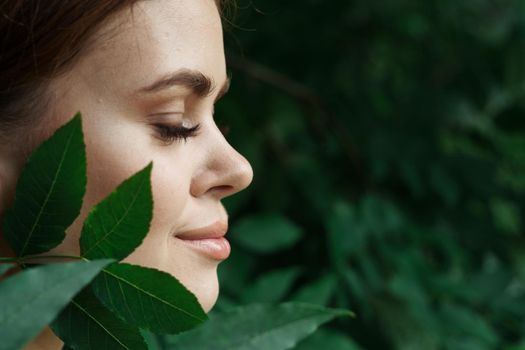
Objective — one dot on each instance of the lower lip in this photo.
(215, 248)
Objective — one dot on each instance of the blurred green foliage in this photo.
(388, 145)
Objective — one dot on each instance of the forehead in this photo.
(152, 39)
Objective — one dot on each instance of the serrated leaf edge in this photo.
(41, 210)
(136, 194)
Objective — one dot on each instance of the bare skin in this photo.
(189, 178)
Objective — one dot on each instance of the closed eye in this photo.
(170, 133)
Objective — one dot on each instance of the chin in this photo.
(208, 303)
(206, 292)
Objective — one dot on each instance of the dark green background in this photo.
(387, 140)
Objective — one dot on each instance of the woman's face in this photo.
(147, 71)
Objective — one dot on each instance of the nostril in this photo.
(222, 191)
(223, 188)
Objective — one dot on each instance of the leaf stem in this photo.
(38, 257)
(8, 260)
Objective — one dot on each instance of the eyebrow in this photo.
(200, 84)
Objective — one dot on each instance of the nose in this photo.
(224, 171)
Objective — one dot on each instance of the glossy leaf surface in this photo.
(32, 298)
(118, 224)
(257, 327)
(49, 192)
(148, 298)
(85, 324)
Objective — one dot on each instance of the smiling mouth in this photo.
(208, 240)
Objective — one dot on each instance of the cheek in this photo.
(170, 183)
(111, 156)
(116, 149)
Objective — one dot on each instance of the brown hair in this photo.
(41, 39)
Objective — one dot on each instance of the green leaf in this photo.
(49, 192)
(86, 324)
(325, 339)
(32, 298)
(257, 327)
(318, 292)
(467, 323)
(118, 224)
(521, 346)
(345, 236)
(152, 340)
(272, 287)
(148, 298)
(4, 268)
(266, 233)
(506, 215)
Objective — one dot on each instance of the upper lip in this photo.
(216, 230)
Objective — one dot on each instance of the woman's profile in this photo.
(145, 75)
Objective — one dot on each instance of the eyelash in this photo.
(171, 133)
